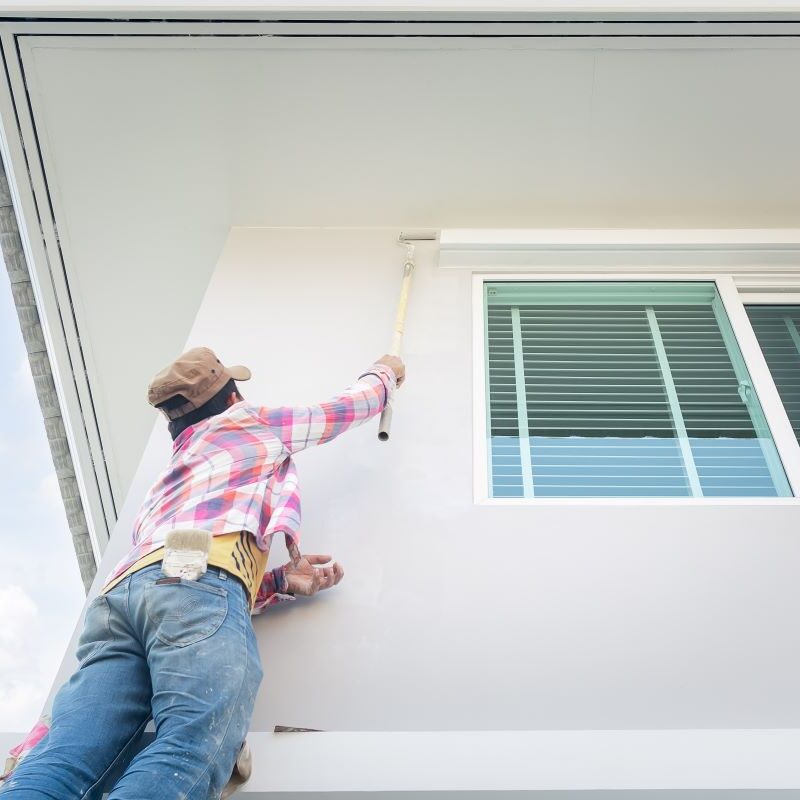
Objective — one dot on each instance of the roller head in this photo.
(418, 236)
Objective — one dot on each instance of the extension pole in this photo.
(397, 341)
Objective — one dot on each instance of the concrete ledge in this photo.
(532, 761)
(702, 764)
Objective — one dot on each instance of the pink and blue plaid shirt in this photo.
(234, 472)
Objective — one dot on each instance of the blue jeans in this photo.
(183, 652)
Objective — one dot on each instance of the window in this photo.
(621, 389)
(777, 330)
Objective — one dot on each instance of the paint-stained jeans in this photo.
(183, 652)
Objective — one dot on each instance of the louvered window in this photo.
(778, 332)
(611, 389)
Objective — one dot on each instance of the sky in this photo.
(41, 594)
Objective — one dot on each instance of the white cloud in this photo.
(19, 623)
(40, 590)
(16, 603)
(22, 703)
(30, 652)
(23, 684)
(26, 443)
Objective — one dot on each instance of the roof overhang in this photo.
(133, 146)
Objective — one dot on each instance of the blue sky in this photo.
(41, 594)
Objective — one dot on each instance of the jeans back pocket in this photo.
(186, 612)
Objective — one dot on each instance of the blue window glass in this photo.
(612, 389)
(777, 329)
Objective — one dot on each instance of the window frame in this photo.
(776, 297)
(733, 299)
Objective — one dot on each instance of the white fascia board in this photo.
(151, 8)
(39, 242)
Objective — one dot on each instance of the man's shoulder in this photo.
(246, 416)
(241, 410)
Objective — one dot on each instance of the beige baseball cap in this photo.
(197, 375)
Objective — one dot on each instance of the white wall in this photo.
(457, 617)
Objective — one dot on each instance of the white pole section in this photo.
(397, 341)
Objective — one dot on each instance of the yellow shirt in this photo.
(236, 553)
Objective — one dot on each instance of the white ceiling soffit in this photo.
(146, 149)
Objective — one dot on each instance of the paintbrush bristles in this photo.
(186, 554)
(190, 539)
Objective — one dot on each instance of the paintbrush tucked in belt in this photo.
(186, 553)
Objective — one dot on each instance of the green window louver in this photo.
(612, 389)
(777, 328)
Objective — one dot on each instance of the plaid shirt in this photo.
(234, 472)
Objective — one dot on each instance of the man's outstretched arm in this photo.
(299, 427)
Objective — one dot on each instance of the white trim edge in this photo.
(760, 256)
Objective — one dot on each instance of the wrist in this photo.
(281, 578)
(380, 371)
(386, 379)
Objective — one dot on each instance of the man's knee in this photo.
(181, 763)
(48, 777)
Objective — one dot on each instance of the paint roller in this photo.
(405, 239)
